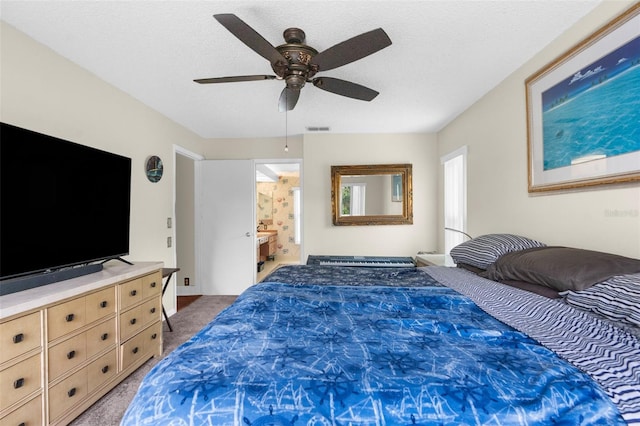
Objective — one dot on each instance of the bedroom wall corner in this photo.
(604, 218)
(45, 92)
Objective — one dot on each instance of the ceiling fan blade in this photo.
(345, 88)
(288, 99)
(250, 37)
(351, 50)
(235, 79)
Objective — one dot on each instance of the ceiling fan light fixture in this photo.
(297, 63)
(294, 35)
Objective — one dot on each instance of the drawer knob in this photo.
(71, 354)
(18, 338)
(133, 292)
(18, 383)
(153, 310)
(22, 424)
(105, 369)
(133, 321)
(103, 304)
(153, 284)
(105, 336)
(135, 350)
(153, 336)
(71, 392)
(70, 317)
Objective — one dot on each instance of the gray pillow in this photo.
(616, 299)
(561, 268)
(486, 249)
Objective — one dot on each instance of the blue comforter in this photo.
(292, 354)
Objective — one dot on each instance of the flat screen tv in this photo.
(64, 208)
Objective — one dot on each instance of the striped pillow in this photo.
(616, 298)
(486, 249)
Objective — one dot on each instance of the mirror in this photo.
(265, 209)
(372, 195)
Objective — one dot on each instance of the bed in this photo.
(327, 345)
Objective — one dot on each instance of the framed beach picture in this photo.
(583, 111)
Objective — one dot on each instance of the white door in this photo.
(225, 228)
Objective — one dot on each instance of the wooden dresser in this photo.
(65, 345)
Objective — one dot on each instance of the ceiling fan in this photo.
(297, 63)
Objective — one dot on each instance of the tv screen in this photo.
(62, 204)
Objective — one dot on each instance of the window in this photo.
(352, 201)
(455, 197)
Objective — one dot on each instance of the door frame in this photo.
(179, 150)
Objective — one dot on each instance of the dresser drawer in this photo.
(151, 285)
(131, 322)
(142, 346)
(65, 318)
(153, 339)
(101, 304)
(30, 414)
(133, 350)
(101, 370)
(20, 380)
(130, 293)
(101, 337)
(19, 336)
(67, 393)
(67, 355)
(151, 310)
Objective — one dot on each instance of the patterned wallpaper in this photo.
(282, 193)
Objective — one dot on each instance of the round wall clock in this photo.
(154, 168)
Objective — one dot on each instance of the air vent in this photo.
(318, 128)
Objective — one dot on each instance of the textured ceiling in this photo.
(445, 55)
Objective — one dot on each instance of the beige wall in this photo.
(320, 152)
(42, 91)
(323, 151)
(604, 218)
(247, 149)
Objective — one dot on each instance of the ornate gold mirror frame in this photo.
(372, 194)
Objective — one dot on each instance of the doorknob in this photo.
(248, 234)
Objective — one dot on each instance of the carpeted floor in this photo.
(188, 321)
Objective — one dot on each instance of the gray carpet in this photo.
(188, 321)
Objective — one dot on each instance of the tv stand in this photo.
(64, 346)
(117, 258)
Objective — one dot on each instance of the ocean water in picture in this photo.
(600, 118)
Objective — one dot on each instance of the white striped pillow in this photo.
(486, 249)
(617, 298)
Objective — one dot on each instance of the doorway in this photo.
(200, 282)
(182, 224)
(279, 213)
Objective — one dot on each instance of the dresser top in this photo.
(28, 300)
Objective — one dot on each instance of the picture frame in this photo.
(154, 168)
(582, 111)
